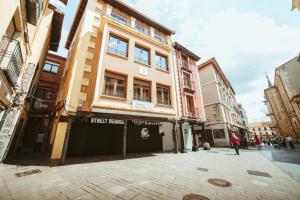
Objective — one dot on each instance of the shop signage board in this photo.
(143, 71)
(142, 104)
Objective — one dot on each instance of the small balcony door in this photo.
(141, 90)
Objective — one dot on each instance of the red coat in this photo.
(257, 141)
(235, 140)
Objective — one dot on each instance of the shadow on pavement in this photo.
(73, 160)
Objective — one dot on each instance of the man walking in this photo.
(235, 141)
(289, 140)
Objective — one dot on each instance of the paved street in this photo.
(157, 176)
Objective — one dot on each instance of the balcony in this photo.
(111, 93)
(34, 9)
(160, 38)
(141, 29)
(119, 18)
(137, 27)
(163, 102)
(139, 98)
(185, 65)
(6, 93)
(11, 59)
(188, 85)
(192, 112)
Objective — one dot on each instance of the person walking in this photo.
(235, 141)
(39, 142)
(290, 141)
(257, 141)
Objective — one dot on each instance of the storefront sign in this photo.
(146, 123)
(106, 121)
(142, 104)
(145, 134)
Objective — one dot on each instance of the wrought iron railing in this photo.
(141, 29)
(160, 38)
(138, 27)
(192, 112)
(5, 91)
(185, 65)
(11, 59)
(139, 98)
(119, 94)
(188, 84)
(163, 101)
(119, 18)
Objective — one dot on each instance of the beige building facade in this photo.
(222, 111)
(119, 84)
(264, 130)
(283, 100)
(27, 30)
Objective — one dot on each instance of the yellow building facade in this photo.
(119, 79)
(28, 30)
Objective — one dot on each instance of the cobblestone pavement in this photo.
(161, 176)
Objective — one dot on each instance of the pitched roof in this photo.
(179, 47)
(215, 64)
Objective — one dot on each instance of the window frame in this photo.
(141, 90)
(114, 77)
(117, 51)
(52, 64)
(157, 54)
(141, 48)
(162, 87)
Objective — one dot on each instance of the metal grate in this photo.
(203, 169)
(258, 173)
(27, 173)
(194, 197)
(219, 182)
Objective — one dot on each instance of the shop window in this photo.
(118, 46)
(219, 133)
(141, 90)
(161, 62)
(51, 67)
(163, 94)
(141, 55)
(115, 85)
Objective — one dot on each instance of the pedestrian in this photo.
(289, 140)
(235, 141)
(38, 142)
(257, 142)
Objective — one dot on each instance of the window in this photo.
(219, 133)
(191, 110)
(141, 90)
(163, 94)
(265, 128)
(187, 82)
(259, 128)
(141, 55)
(43, 93)
(51, 67)
(161, 62)
(118, 46)
(115, 85)
(185, 62)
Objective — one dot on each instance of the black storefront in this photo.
(112, 135)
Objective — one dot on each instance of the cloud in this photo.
(246, 43)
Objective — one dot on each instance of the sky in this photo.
(249, 38)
